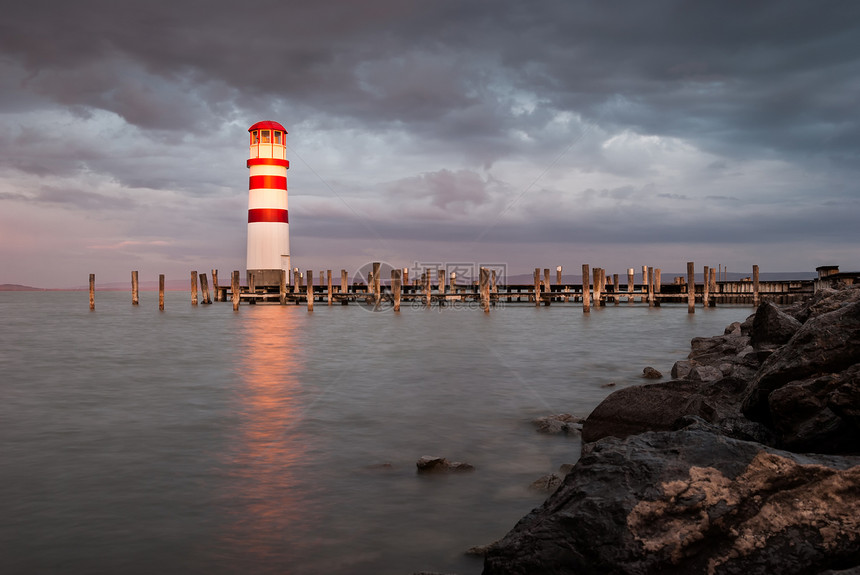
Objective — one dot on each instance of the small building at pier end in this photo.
(268, 216)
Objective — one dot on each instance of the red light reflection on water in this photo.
(267, 502)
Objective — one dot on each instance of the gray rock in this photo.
(681, 369)
(433, 464)
(772, 326)
(826, 343)
(690, 502)
(651, 373)
(706, 373)
(559, 423)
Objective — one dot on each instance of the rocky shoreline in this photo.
(747, 461)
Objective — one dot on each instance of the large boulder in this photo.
(819, 413)
(827, 343)
(690, 501)
(772, 326)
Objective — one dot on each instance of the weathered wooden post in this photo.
(344, 287)
(92, 291)
(756, 298)
(395, 287)
(713, 282)
(691, 287)
(658, 280)
(537, 282)
(493, 287)
(234, 289)
(296, 282)
(558, 275)
(330, 290)
(193, 288)
(644, 282)
(377, 283)
(586, 293)
(215, 287)
(282, 287)
(706, 287)
(630, 284)
(485, 289)
(650, 276)
(440, 279)
(597, 282)
(135, 292)
(161, 292)
(405, 279)
(252, 288)
(453, 282)
(427, 297)
(204, 285)
(615, 286)
(310, 290)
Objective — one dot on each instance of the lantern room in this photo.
(267, 141)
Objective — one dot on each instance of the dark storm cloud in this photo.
(732, 75)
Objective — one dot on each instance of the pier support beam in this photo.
(92, 291)
(234, 289)
(310, 290)
(756, 298)
(586, 291)
(135, 292)
(161, 292)
(193, 288)
(691, 287)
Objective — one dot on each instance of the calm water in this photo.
(274, 440)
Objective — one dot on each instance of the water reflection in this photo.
(266, 497)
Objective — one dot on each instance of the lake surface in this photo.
(274, 440)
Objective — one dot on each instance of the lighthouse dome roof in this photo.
(267, 125)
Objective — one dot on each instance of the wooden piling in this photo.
(344, 287)
(691, 287)
(310, 290)
(440, 278)
(586, 292)
(706, 287)
(537, 283)
(161, 292)
(234, 289)
(405, 279)
(296, 282)
(597, 281)
(615, 286)
(282, 287)
(485, 289)
(558, 275)
(658, 280)
(427, 297)
(330, 291)
(215, 287)
(756, 298)
(650, 276)
(194, 288)
(92, 291)
(713, 281)
(395, 287)
(204, 285)
(135, 291)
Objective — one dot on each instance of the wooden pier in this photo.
(597, 290)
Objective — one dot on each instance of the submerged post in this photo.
(310, 290)
(330, 292)
(650, 276)
(92, 291)
(691, 287)
(135, 295)
(234, 289)
(344, 287)
(537, 283)
(586, 292)
(161, 291)
(706, 287)
(193, 288)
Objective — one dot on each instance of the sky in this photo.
(524, 134)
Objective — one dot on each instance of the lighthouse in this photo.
(268, 220)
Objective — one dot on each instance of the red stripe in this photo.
(267, 182)
(275, 215)
(268, 162)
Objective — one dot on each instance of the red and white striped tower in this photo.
(268, 221)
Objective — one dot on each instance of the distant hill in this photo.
(17, 287)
